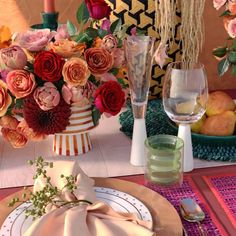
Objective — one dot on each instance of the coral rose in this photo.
(16, 139)
(5, 99)
(98, 9)
(75, 72)
(231, 29)
(67, 48)
(48, 66)
(25, 130)
(36, 40)
(47, 97)
(109, 98)
(12, 58)
(9, 122)
(99, 60)
(20, 82)
(109, 42)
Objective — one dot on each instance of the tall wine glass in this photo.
(139, 57)
(185, 94)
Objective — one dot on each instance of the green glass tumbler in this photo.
(164, 160)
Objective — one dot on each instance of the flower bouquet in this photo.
(227, 54)
(60, 82)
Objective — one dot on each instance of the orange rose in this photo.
(5, 99)
(75, 72)
(99, 60)
(67, 48)
(16, 139)
(20, 82)
(9, 122)
(25, 130)
(97, 42)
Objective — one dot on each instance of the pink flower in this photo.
(62, 32)
(119, 57)
(107, 76)
(231, 29)
(133, 31)
(109, 42)
(218, 3)
(20, 82)
(36, 40)
(12, 58)
(81, 95)
(106, 25)
(160, 55)
(3, 75)
(47, 97)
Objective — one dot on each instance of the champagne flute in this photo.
(139, 57)
(185, 94)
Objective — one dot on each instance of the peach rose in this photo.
(9, 122)
(47, 97)
(16, 139)
(99, 60)
(24, 129)
(218, 3)
(20, 82)
(5, 99)
(75, 72)
(67, 48)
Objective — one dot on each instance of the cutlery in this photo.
(192, 212)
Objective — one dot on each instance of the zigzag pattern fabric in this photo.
(141, 13)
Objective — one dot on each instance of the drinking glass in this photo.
(185, 94)
(139, 58)
(164, 160)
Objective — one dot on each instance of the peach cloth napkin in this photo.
(98, 219)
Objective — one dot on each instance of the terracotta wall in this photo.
(19, 14)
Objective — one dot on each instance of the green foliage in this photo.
(95, 115)
(114, 71)
(225, 13)
(223, 66)
(233, 72)
(116, 26)
(122, 83)
(220, 52)
(72, 30)
(82, 14)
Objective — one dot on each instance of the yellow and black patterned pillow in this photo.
(141, 13)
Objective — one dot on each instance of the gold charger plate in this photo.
(166, 220)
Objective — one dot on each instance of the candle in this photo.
(49, 6)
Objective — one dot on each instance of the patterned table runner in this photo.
(214, 189)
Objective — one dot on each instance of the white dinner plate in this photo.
(16, 224)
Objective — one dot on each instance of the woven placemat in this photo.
(157, 122)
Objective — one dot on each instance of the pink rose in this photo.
(62, 32)
(109, 42)
(106, 23)
(5, 99)
(36, 40)
(12, 58)
(107, 76)
(20, 82)
(231, 28)
(47, 97)
(81, 95)
(218, 3)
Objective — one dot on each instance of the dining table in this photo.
(212, 184)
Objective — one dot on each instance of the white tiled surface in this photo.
(109, 156)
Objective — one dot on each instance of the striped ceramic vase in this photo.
(75, 140)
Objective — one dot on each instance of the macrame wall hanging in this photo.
(176, 24)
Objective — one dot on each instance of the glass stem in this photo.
(184, 132)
